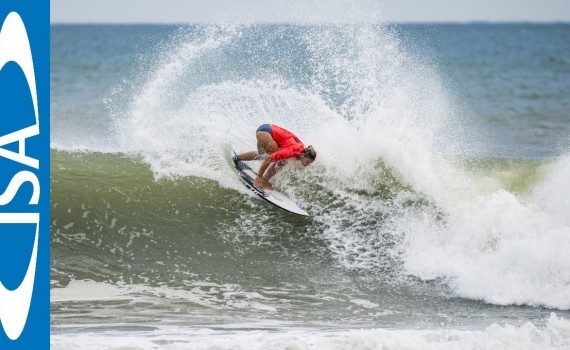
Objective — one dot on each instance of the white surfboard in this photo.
(274, 197)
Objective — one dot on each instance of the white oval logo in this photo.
(15, 304)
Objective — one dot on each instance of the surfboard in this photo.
(274, 197)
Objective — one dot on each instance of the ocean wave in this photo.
(112, 210)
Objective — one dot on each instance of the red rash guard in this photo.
(289, 145)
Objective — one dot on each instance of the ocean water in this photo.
(439, 200)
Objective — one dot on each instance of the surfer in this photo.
(275, 145)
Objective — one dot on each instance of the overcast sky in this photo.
(302, 11)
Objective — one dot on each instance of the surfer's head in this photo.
(308, 155)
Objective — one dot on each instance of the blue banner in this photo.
(24, 174)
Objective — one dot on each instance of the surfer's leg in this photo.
(265, 143)
(248, 156)
(265, 146)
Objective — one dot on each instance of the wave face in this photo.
(403, 205)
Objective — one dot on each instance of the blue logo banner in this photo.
(24, 174)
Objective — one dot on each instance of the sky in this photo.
(307, 11)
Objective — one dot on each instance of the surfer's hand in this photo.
(267, 185)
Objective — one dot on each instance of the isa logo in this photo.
(24, 174)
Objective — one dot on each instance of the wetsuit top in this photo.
(289, 145)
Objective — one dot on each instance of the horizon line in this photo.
(468, 22)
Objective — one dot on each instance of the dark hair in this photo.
(309, 152)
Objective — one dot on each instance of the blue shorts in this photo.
(265, 128)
